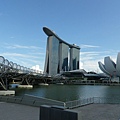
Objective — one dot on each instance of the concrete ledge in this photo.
(18, 101)
(11, 100)
(38, 103)
(27, 102)
(42, 101)
(7, 92)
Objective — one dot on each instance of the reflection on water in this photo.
(71, 92)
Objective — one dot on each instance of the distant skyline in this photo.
(94, 25)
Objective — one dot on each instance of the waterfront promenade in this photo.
(100, 112)
(11, 111)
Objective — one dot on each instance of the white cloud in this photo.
(93, 53)
(38, 53)
(89, 60)
(21, 47)
(90, 65)
(26, 56)
(85, 56)
(37, 68)
(26, 60)
(88, 55)
(88, 46)
(18, 55)
(81, 65)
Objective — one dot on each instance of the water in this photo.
(70, 92)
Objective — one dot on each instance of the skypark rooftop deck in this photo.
(51, 33)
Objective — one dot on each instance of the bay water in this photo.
(70, 92)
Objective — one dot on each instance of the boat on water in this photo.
(25, 86)
(45, 84)
(60, 83)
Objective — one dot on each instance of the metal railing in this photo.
(78, 103)
(93, 100)
(38, 101)
(106, 100)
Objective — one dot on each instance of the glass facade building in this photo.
(52, 56)
(74, 58)
(60, 56)
(64, 51)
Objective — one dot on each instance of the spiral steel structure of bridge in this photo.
(12, 72)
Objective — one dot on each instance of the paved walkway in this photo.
(100, 112)
(10, 111)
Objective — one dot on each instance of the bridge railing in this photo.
(9, 66)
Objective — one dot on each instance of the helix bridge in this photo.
(11, 72)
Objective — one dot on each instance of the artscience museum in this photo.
(111, 68)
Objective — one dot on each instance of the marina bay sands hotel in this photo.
(60, 55)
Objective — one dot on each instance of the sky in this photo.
(94, 25)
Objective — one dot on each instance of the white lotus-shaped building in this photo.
(110, 68)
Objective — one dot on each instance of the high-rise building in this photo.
(63, 57)
(74, 58)
(60, 55)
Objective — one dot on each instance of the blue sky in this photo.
(94, 25)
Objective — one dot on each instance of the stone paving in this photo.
(11, 111)
(100, 112)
